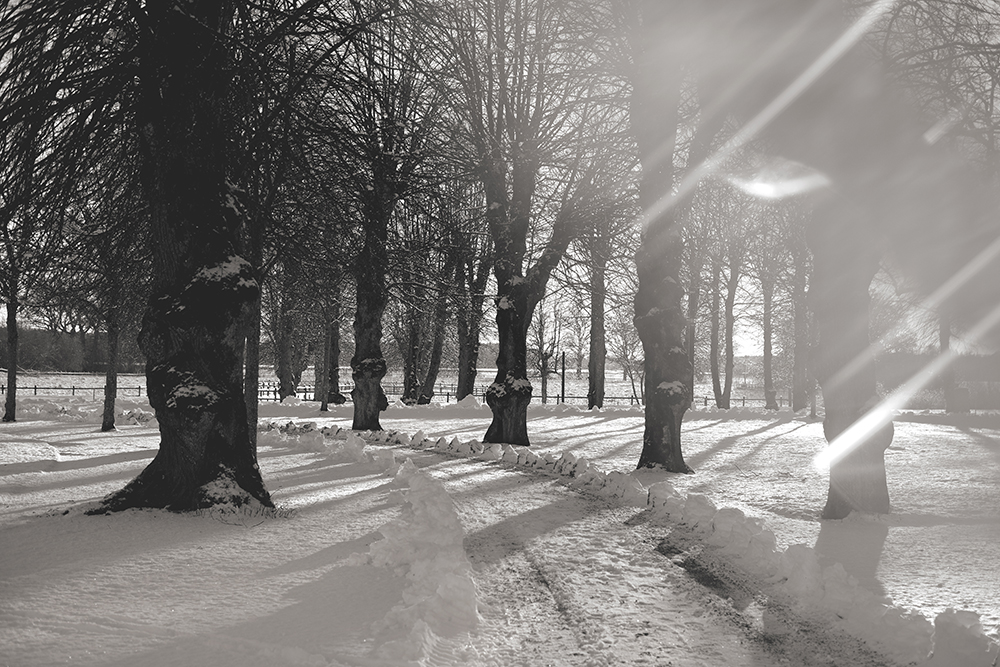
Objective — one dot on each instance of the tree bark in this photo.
(194, 326)
(10, 402)
(469, 320)
(333, 368)
(509, 394)
(767, 295)
(323, 368)
(713, 352)
(111, 373)
(410, 348)
(437, 350)
(598, 335)
(846, 259)
(368, 365)
(732, 282)
(800, 352)
(948, 374)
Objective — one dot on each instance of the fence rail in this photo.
(269, 392)
(35, 390)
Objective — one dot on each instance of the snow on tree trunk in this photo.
(194, 326)
(368, 365)
(10, 403)
(510, 393)
(845, 261)
(659, 315)
(111, 375)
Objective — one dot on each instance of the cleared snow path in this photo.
(567, 578)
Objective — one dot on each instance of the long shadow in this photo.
(497, 541)
(857, 545)
(991, 444)
(727, 442)
(50, 465)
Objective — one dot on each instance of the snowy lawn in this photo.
(461, 558)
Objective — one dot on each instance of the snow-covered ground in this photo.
(474, 555)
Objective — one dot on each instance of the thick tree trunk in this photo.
(510, 393)
(111, 374)
(10, 403)
(368, 366)
(195, 323)
(770, 395)
(842, 275)
(598, 335)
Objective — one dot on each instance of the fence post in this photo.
(706, 400)
(744, 401)
(72, 391)
(36, 390)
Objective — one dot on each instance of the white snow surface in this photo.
(419, 545)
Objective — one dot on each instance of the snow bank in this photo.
(425, 544)
(955, 639)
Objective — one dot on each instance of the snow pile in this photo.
(339, 445)
(956, 639)
(426, 546)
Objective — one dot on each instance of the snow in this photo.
(420, 545)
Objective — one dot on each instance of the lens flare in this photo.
(882, 414)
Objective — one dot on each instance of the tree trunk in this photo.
(287, 362)
(251, 377)
(323, 368)
(598, 335)
(693, 304)
(770, 395)
(846, 259)
(509, 394)
(713, 352)
(659, 312)
(10, 404)
(333, 368)
(948, 374)
(468, 324)
(194, 326)
(368, 366)
(410, 348)
(731, 285)
(469, 321)
(800, 353)
(111, 373)
(437, 350)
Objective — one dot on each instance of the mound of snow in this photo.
(425, 544)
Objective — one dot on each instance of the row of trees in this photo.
(224, 168)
